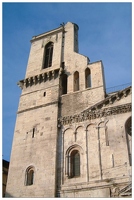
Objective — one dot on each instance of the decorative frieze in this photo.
(94, 114)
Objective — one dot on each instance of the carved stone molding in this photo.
(94, 114)
(115, 192)
(124, 192)
(111, 98)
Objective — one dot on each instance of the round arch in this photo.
(29, 175)
(73, 158)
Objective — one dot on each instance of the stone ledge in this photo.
(96, 184)
(37, 79)
(36, 107)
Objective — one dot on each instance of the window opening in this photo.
(64, 84)
(75, 163)
(33, 132)
(76, 81)
(88, 78)
(30, 176)
(48, 55)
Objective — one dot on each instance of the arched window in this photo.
(87, 78)
(48, 55)
(72, 162)
(30, 176)
(128, 127)
(75, 163)
(76, 81)
(64, 84)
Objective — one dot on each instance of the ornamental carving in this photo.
(124, 192)
(89, 114)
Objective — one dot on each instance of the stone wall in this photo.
(104, 155)
(33, 151)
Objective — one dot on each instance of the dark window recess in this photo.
(33, 132)
(64, 84)
(48, 55)
(88, 78)
(44, 94)
(30, 177)
(75, 163)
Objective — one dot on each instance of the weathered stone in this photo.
(54, 122)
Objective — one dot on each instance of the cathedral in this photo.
(72, 138)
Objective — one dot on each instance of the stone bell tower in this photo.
(53, 64)
(32, 170)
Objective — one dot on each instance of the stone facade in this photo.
(5, 168)
(71, 139)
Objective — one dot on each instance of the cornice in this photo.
(36, 107)
(54, 31)
(42, 77)
(111, 99)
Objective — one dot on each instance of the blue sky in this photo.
(105, 33)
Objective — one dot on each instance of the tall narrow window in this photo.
(87, 78)
(128, 127)
(33, 132)
(76, 81)
(48, 55)
(64, 84)
(30, 176)
(75, 163)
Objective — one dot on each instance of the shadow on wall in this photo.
(8, 195)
